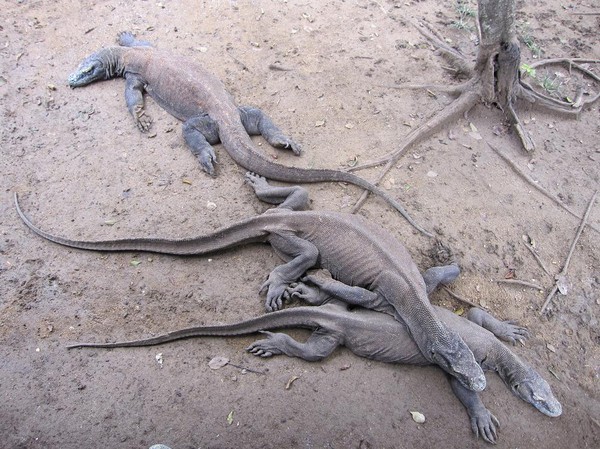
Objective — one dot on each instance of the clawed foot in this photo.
(207, 160)
(484, 424)
(512, 332)
(267, 347)
(256, 181)
(276, 290)
(285, 143)
(310, 289)
(308, 293)
(142, 120)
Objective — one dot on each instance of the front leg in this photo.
(483, 423)
(319, 345)
(302, 255)
(310, 294)
(201, 133)
(440, 275)
(327, 287)
(504, 330)
(257, 123)
(291, 197)
(134, 97)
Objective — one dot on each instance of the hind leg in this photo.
(200, 133)
(291, 198)
(127, 39)
(508, 331)
(257, 123)
(440, 275)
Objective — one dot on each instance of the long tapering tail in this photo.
(252, 160)
(247, 231)
(305, 317)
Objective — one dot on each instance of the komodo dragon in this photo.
(195, 96)
(378, 336)
(376, 267)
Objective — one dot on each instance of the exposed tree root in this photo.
(454, 110)
(493, 80)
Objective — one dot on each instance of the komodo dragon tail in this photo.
(247, 231)
(255, 162)
(307, 317)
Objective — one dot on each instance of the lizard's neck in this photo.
(508, 366)
(114, 60)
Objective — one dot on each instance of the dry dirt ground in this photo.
(84, 171)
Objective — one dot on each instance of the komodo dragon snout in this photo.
(535, 390)
(95, 67)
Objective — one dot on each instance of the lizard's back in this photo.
(179, 85)
(352, 249)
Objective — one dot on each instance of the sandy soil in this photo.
(84, 171)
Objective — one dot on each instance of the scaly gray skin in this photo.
(356, 252)
(193, 95)
(380, 337)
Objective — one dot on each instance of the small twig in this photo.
(279, 68)
(563, 272)
(460, 298)
(519, 282)
(454, 90)
(534, 184)
(250, 370)
(236, 60)
(537, 258)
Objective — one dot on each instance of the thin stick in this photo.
(537, 258)
(460, 298)
(519, 282)
(571, 251)
(250, 370)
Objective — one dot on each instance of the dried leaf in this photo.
(459, 311)
(218, 362)
(562, 283)
(291, 381)
(135, 263)
(230, 418)
(186, 181)
(417, 417)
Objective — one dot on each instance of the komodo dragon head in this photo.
(102, 65)
(529, 386)
(454, 357)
